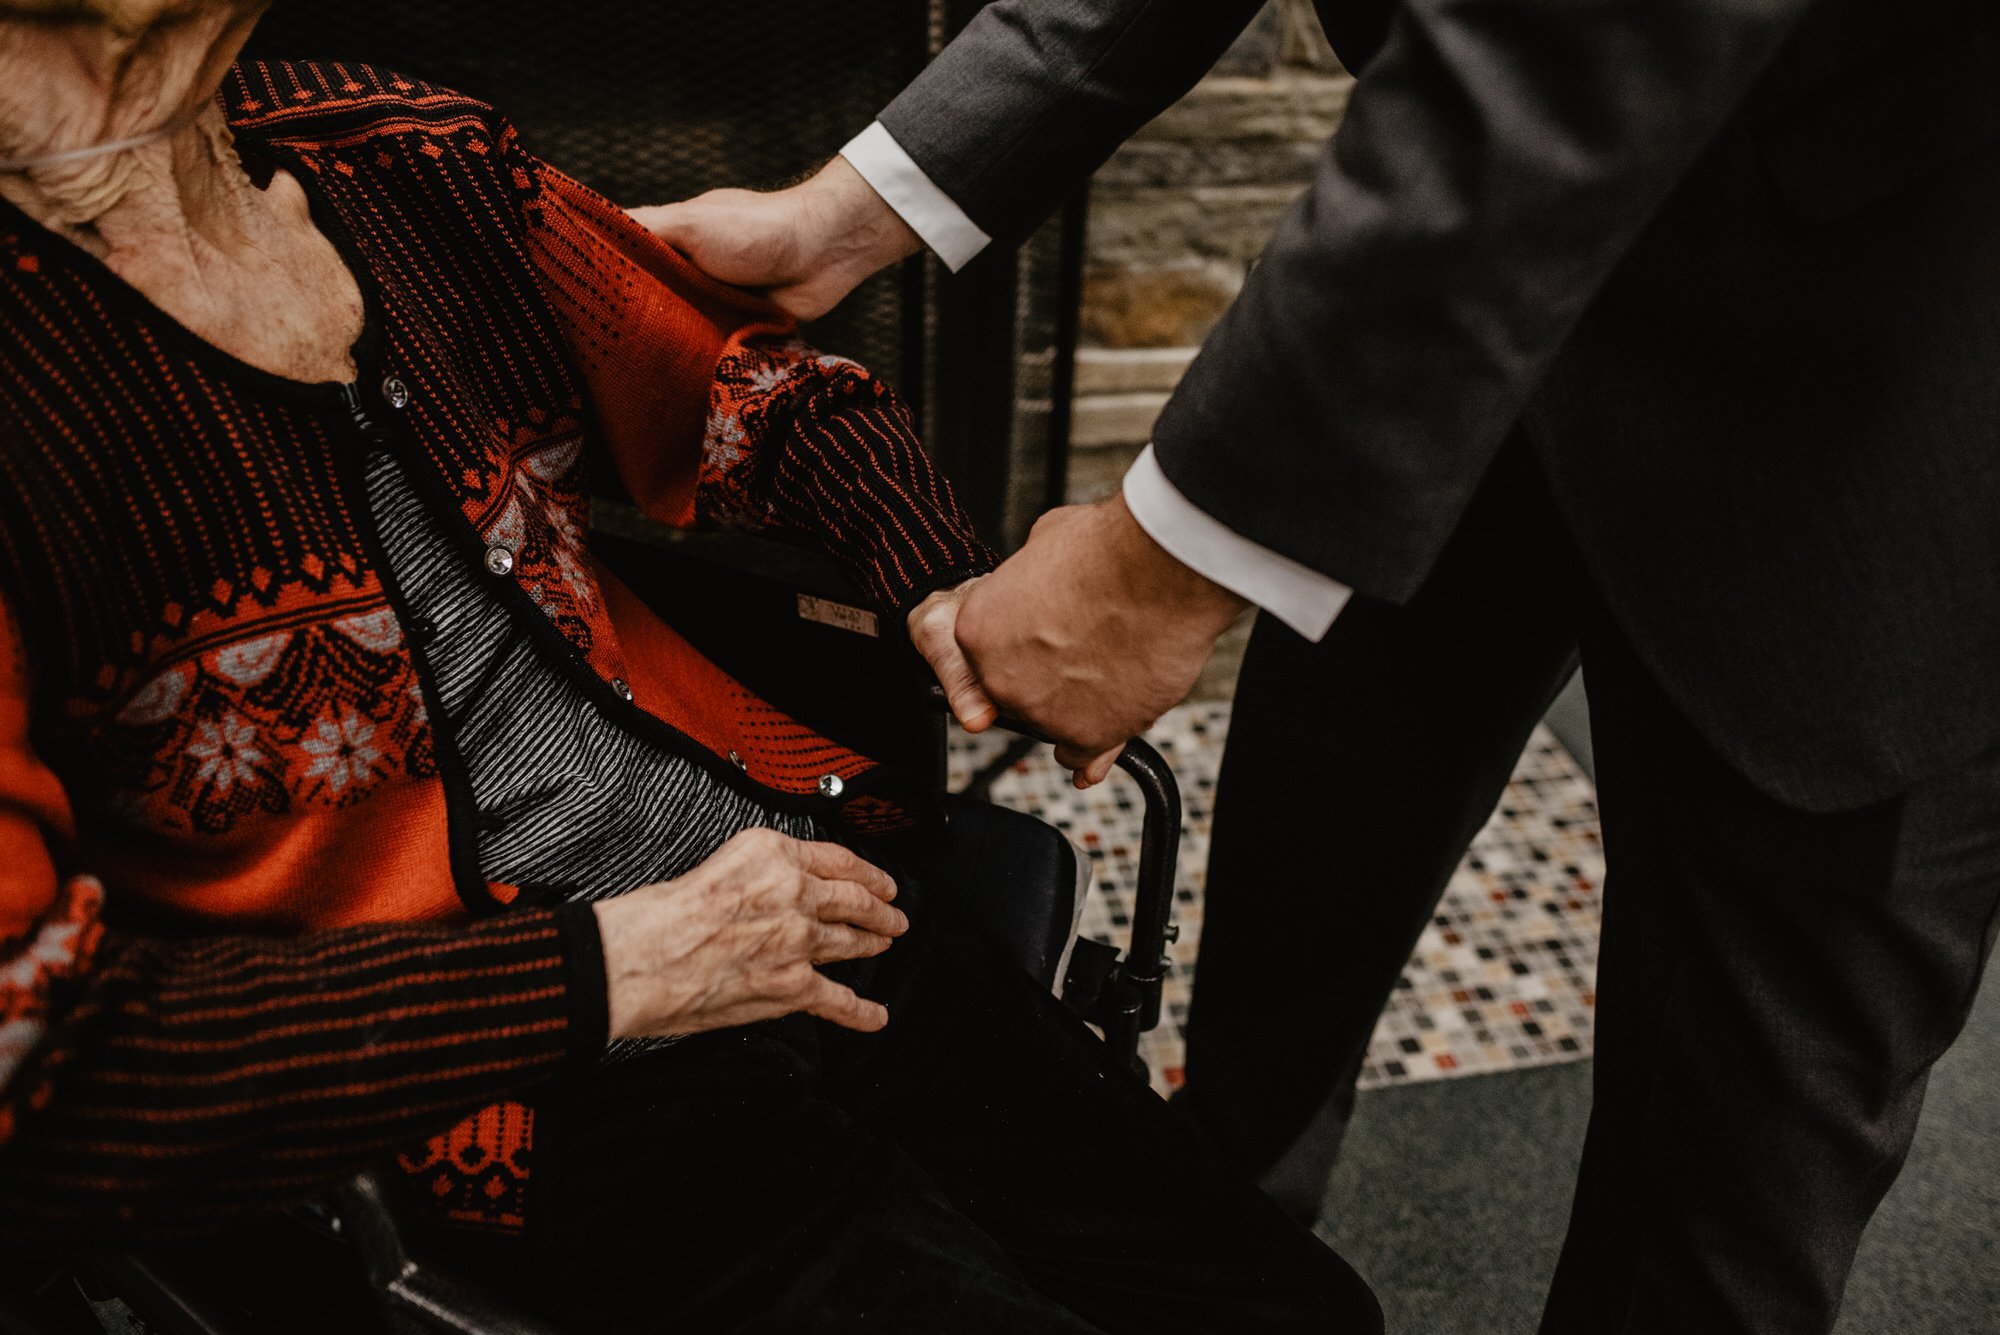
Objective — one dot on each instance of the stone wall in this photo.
(1178, 216)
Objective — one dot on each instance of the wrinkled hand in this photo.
(1091, 631)
(933, 627)
(736, 940)
(805, 248)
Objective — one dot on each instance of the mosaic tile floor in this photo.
(1503, 978)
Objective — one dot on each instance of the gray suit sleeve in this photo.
(1497, 159)
(1034, 95)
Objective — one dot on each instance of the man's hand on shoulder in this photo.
(805, 247)
(1090, 632)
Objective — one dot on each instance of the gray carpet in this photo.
(1452, 1198)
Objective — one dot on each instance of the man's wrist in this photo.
(862, 234)
(1166, 581)
(1301, 597)
(905, 187)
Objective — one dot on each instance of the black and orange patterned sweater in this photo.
(200, 625)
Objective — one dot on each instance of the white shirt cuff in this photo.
(1297, 595)
(894, 175)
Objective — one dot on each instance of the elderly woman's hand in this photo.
(736, 940)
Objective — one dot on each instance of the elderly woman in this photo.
(349, 809)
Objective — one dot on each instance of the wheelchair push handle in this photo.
(1143, 973)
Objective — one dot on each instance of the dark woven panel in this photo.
(651, 100)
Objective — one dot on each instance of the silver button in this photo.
(738, 761)
(831, 785)
(395, 393)
(499, 559)
(622, 689)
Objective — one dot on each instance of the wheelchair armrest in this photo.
(414, 1297)
(1122, 996)
(298, 1269)
(1014, 878)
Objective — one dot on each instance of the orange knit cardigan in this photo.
(247, 946)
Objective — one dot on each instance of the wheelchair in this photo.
(788, 625)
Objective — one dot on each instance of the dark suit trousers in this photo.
(1773, 988)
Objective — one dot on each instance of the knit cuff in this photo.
(589, 992)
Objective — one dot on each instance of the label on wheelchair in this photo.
(857, 619)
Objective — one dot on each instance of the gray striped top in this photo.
(565, 796)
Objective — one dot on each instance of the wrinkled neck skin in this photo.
(178, 218)
(71, 79)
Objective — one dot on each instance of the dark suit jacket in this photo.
(1734, 264)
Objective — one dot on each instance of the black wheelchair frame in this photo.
(750, 604)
